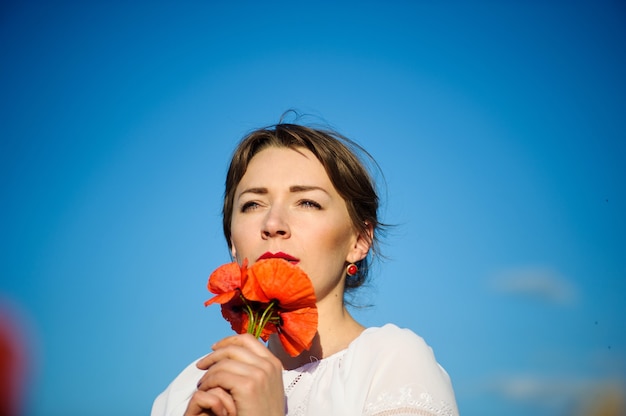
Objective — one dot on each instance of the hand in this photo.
(248, 372)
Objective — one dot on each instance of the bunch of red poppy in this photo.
(271, 296)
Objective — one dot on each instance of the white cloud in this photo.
(535, 388)
(536, 282)
(563, 393)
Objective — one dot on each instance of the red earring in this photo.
(351, 270)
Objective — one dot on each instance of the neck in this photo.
(336, 329)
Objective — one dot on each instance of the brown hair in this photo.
(338, 155)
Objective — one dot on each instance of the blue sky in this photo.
(499, 128)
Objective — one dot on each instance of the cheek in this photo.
(238, 238)
(240, 225)
(335, 237)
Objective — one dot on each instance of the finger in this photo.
(242, 354)
(259, 369)
(251, 384)
(214, 401)
(238, 347)
(200, 362)
(241, 340)
(227, 401)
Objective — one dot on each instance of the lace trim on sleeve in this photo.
(404, 402)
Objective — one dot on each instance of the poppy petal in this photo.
(227, 277)
(278, 279)
(234, 314)
(222, 298)
(298, 328)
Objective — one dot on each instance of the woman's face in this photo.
(286, 206)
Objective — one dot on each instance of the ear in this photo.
(362, 245)
(233, 250)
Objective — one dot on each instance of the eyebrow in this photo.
(293, 189)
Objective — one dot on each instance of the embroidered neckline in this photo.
(332, 357)
(300, 386)
(310, 368)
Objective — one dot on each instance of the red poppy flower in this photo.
(226, 282)
(289, 285)
(271, 296)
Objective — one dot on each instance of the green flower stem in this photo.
(265, 318)
(256, 324)
(251, 316)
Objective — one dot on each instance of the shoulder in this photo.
(174, 399)
(402, 368)
(389, 333)
(393, 343)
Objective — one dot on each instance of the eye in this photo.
(249, 206)
(307, 203)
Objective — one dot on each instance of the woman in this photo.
(302, 194)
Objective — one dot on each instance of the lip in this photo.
(279, 255)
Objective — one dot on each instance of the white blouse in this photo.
(385, 371)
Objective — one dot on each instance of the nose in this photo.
(275, 224)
